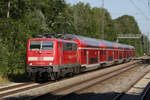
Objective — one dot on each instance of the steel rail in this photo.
(22, 89)
(15, 86)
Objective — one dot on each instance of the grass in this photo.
(3, 80)
(18, 76)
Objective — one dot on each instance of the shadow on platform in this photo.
(75, 96)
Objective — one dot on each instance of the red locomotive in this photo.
(50, 58)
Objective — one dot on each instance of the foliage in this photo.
(13, 43)
(127, 25)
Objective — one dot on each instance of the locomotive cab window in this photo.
(35, 45)
(41, 45)
(47, 45)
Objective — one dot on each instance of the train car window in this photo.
(104, 52)
(120, 55)
(101, 52)
(110, 58)
(93, 60)
(69, 47)
(47, 45)
(64, 46)
(116, 53)
(35, 45)
(81, 53)
(130, 53)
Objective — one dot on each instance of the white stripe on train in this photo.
(40, 58)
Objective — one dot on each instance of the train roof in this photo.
(52, 39)
(96, 42)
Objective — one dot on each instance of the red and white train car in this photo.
(99, 53)
(50, 58)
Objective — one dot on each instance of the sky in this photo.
(140, 9)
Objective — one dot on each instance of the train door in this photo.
(105, 55)
(125, 54)
(120, 54)
(110, 55)
(101, 55)
(87, 57)
(98, 56)
(83, 56)
(60, 54)
(115, 54)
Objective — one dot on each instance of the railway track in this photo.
(15, 86)
(119, 96)
(61, 93)
(10, 91)
(18, 88)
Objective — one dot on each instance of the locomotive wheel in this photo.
(57, 76)
(78, 70)
(54, 76)
(75, 70)
(100, 66)
(70, 74)
(33, 77)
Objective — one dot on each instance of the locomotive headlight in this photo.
(50, 63)
(30, 64)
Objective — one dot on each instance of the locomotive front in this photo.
(40, 58)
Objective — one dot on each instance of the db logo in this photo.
(40, 58)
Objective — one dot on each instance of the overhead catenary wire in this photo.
(147, 18)
(142, 13)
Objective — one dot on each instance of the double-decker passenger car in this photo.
(50, 58)
(98, 53)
